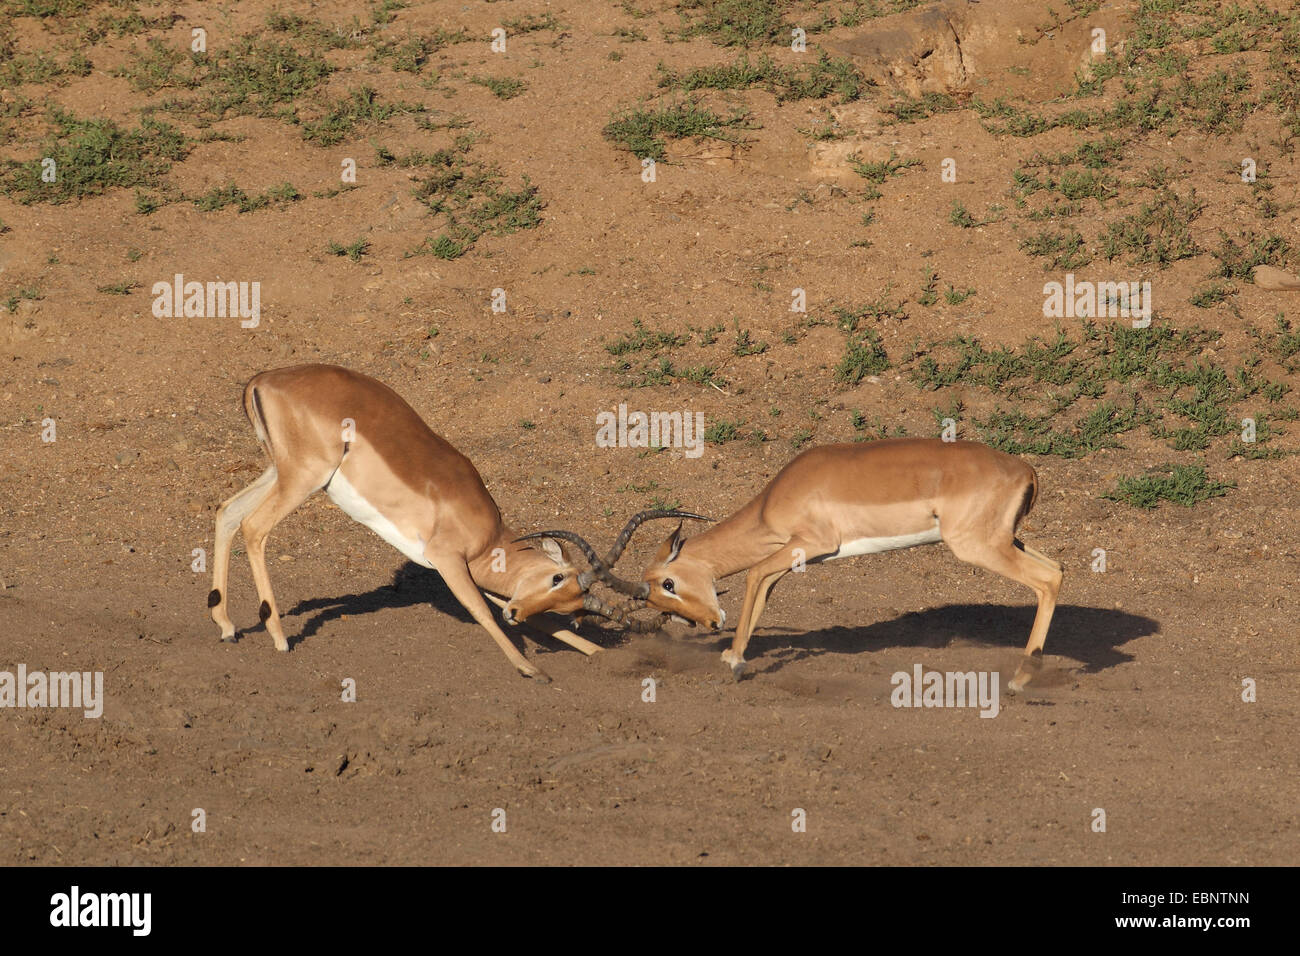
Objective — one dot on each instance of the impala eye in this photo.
(557, 580)
(668, 585)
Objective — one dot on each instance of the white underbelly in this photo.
(850, 549)
(362, 511)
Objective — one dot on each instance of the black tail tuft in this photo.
(1031, 496)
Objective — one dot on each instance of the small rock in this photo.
(126, 456)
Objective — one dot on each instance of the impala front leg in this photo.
(457, 576)
(560, 634)
(759, 583)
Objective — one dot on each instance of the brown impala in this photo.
(838, 501)
(325, 427)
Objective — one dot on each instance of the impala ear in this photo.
(669, 550)
(552, 549)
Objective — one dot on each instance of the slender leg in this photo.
(456, 573)
(759, 582)
(1037, 555)
(735, 655)
(761, 604)
(282, 501)
(568, 637)
(1031, 568)
(757, 588)
(229, 515)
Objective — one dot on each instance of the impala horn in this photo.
(598, 567)
(634, 522)
(620, 614)
(601, 569)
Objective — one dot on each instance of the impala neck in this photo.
(736, 543)
(498, 574)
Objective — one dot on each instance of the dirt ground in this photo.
(1139, 708)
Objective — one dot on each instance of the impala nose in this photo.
(508, 614)
(722, 619)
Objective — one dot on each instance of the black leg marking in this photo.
(264, 611)
(214, 597)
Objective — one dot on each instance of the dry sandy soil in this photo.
(1139, 709)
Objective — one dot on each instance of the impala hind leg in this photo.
(232, 511)
(456, 573)
(282, 500)
(1031, 568)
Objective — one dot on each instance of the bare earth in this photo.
(1138, 710)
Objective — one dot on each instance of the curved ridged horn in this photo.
(645, 627)
(598, 567)
(596, 606)
(634, 522)
(620, 614)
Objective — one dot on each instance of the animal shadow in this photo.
(411, 585)
(1091, 635)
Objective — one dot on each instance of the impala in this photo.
(839, 501)
(325, 427)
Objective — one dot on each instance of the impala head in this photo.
(548, 582)
(565, 589)
(682, 586)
